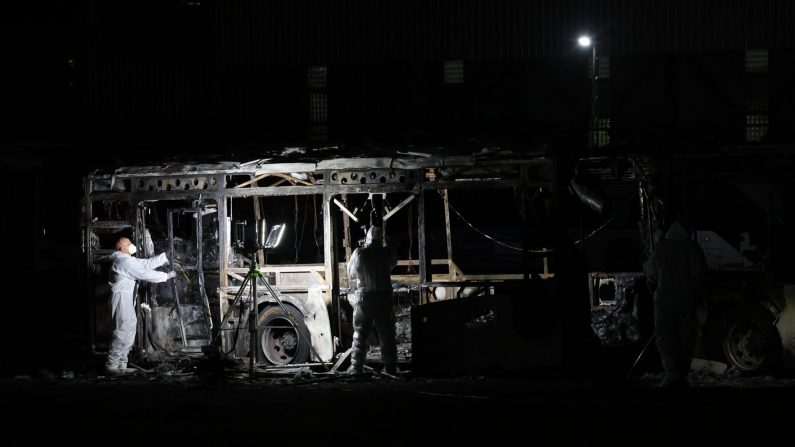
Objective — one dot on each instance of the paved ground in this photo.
(187, 404)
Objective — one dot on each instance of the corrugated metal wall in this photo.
(349, 31)
(231, 63)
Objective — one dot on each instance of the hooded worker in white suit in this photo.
(126, 270)
(370, 266)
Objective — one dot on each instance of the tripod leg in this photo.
(231, 307)
(648, 343)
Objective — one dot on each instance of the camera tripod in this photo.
(251, 279)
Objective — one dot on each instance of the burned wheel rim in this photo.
(280, 341)
(744, 346)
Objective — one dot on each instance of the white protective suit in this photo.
(371, 266)
(677, 267)
(123, 274)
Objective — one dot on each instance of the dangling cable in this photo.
(598, 229)
(300, 236)
(481, 233)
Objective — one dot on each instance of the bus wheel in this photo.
(279, 342)
(749, 340)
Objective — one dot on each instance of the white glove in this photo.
(171, 274)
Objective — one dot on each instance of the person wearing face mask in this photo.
(125, 271)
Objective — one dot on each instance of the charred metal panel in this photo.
(163, 327)
(373, 176)
(621, 307)
(487, 333)
(150, 184)
(317, 320)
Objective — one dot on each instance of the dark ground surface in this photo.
(68, 401)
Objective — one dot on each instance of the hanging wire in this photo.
(593, 233)
(600, 228)
(184, 274)
(300, 236)
(481, 233)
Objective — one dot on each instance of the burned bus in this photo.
(738, 204)
(548, 253)
(461, 226)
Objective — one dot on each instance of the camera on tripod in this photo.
(248, 241)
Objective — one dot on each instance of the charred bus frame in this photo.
(416, 175)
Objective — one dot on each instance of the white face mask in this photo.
(132, 249)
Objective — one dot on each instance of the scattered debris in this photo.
(341, 360)
(303, 375)
(481, 321)
(293, 150)
(45, 374)
(708, 366)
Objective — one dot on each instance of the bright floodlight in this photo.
(275, 236)
(584, 41)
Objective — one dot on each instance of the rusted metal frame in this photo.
(149, 196)
(399, 206)
(140, 228)
(286, 177)
(479, 184)
(257, 217)
(234, 275)
(452, 176)
(170, 223)
(200, 260)
(263, 191)
(448, 234)
(346, 225)
(330, 262)
(87, 216)
(286, 268)
(223, 240)
(332, 190)
(346, 213)
(421, 255)
(110, 224)
(470, 282)
(231, 290)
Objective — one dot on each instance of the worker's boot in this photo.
(392, 370)
(118, 369)
(674, 379)
(355, 368)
